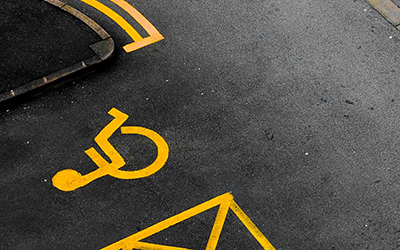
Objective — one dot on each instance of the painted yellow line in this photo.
(139, 41)
(181, 217)
(162, 156)
(225, 202)
(69, 179)
(137, 16)
(102, 138)
(131, 240)
(155, 35)
(219, 223)
(251, 226)
(142, 43)
(117, 18)
(150, 246)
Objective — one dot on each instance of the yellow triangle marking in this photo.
(150, 246)
(225, 202)
(250, 226)
(219, 223)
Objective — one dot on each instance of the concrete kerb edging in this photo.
(103, 50)
(388, 9)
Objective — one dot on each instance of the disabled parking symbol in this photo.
(69, 179)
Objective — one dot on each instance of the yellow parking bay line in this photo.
(117, 18)
(155, 35)
(138, 40)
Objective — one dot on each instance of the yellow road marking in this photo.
(250, 226)
(69, 179)
(225, 202)
(117, 18)
(158, 163)
(219, 223)
(150, 246)
(139, 41)
(155, 35)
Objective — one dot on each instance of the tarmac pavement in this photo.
(292, 106)
(39, 39)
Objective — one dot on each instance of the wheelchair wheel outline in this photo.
(158, 163)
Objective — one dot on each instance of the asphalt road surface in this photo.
(292, 106)
(38, 39)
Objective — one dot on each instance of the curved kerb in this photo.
(388, 9)
(103, 50)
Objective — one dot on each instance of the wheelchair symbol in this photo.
(69, 179)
